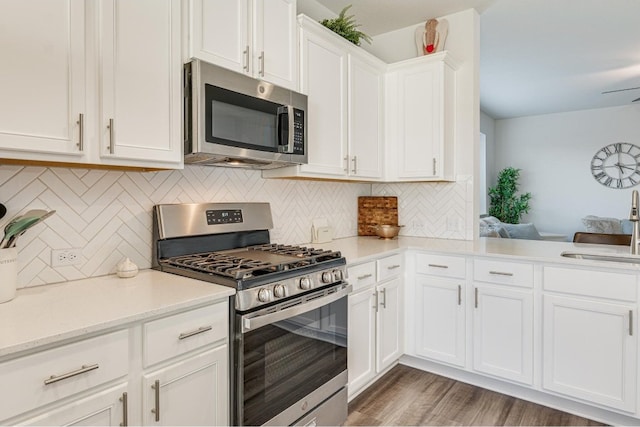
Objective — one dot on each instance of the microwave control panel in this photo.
(298, 131)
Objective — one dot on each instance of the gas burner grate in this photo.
(248, 265)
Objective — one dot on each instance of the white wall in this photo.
(554, 152)
(488, 128)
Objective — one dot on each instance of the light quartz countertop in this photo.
(43, 315)
(361, 249)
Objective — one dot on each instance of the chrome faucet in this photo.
(634, 217)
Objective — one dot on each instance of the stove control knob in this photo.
(327, 277)
(263, 295)
(305, 283)
(279, 291)
(337, 275)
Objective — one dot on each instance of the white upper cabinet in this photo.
(91, 82)
(254, 37)
(141, 81)
(365, 117)
(420, 103)
(345, 108)
(42, 79)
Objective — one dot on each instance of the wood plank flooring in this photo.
(409, 397)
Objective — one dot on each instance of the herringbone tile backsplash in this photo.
(107, 214)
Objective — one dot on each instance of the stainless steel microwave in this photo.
(234, 120)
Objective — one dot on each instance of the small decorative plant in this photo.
(346, 27)
(504, 204)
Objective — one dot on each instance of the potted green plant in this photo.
(504, 204)
(346, 27)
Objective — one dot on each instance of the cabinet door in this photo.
(421, 119)
(191, 392)
(388, 324)
(590, 351)
(323, 79)
(220, 33)
(141, 78)
(365, 119)
(361, 339)
(42, 78)
(440, 328)
(503, 333)
(104, 408)
(275, 42)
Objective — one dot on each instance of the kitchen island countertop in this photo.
(43, 315)
(364, 248)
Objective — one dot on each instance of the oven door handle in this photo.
(251, 323)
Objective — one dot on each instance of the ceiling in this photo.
(536, 56)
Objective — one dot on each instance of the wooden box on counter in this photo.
(376, 210)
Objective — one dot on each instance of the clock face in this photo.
(617, 165)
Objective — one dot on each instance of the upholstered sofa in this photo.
(492, 227)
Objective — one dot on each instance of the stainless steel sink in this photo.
(628, 259)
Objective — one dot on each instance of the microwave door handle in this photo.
(286, 146)
(249, 323)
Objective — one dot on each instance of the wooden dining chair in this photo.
(602, 238)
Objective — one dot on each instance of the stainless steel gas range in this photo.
(289, 318)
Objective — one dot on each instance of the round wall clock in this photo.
(617, 165)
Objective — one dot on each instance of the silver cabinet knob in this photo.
(305, 283)
(263, 295)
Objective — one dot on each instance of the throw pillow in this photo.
(596, 224)
(522, 231)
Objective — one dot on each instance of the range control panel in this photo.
(216, 217)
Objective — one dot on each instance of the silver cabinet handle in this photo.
(156, 409)
(500, 273)
(631, 322)
(459, 294)
(55, 378)
(261, 69)
(346, 163)
(355, 164)
(200, 330)
(438, 266)
(476, 297)
(112, 135)
(375, 305)
(434, 166)
(246, 59)
(125, 409)
(384, 298)
(365, 276)
(393, 267)
(80, 123)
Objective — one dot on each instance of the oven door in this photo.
(291, 357)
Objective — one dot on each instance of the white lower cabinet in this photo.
(440, 319)
(190, 392)
(503, 333)
(96, 381)
(104, 408)
(375, 321)
(590, 351)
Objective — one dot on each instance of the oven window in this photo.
(239, 120)
(287, 360)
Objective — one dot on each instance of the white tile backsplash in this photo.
(107, 214)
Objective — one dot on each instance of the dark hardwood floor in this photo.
(410, 397)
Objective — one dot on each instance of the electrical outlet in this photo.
(64, 257)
